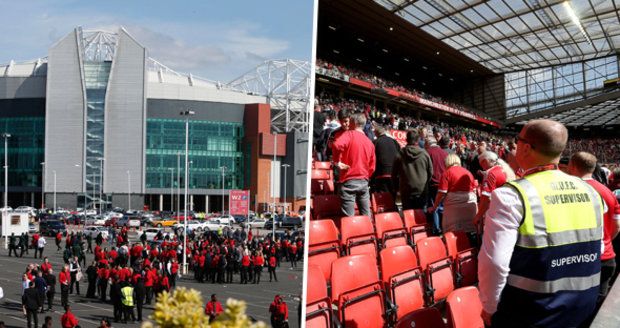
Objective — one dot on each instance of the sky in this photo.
(215, 39)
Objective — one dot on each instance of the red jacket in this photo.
(68, 320)
(245, 261)
(64, 278)
(213, 308)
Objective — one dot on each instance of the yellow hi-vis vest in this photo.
(555, 265)
(127, 293)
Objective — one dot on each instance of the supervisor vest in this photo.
(127, 293)
(555, 266)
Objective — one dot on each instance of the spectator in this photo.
(456, 191)
(279, 313)
(412, 172)
(50, 280)
(438, 158)
(68, 320)
(497, 172)
(386, 151)
(355, 157)
(31, 304)
(582, 165)
(213, 308)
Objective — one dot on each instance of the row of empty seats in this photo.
(359, 299)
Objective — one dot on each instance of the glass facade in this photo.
(211, 146)
(96, 76)
(543, 88)
(26, 150)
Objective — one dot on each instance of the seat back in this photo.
(324, 245)
(326, 206)
(357, 235)
(423, 318)
(414, 217)
(390, 229)
(321, 182)
(322, 165)
(463, 308)
(437, 266)
(464, 257)
(318, 304)
(383, 202)
(357, 292)
(456, 241)
(402, 279)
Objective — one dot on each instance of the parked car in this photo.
(27, 209)
(194, 225)
(32, 228)
(151, 233)
(257, 223)
(284, 222)
(51, 227)
(181, 216)
(226, 219)
(163, 222)
(94, 220)
(215, 225)
(240, 218)
(129, 221)
(111, 222)
(94, 231)
(74, 219)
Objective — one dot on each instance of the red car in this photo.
(111, 222)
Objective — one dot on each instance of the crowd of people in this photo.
(460, 180)
(130, 274)
(339, 71)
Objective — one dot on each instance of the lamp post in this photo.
(189, 183)
(42, 184)
(6, 137)
(178, 182)
(285, 166)
(223, 168)
(129, 190)
(101, 185)
(171, 189)
(187, 114)
(273, 184)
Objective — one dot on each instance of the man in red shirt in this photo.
(213, 308)
(354, 155)
(582, 164)
(68, 320)
(64, 279)
(272, 268)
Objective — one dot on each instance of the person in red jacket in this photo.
(279, 312)
(213, 308)
(292, 250)
(64, 279)
(272, 267)
(149, 281)
(68, 320)
(58, 241)
(104, 274)
(259, 261)
(245, 268)
(46, 265)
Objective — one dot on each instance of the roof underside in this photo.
(513, 35)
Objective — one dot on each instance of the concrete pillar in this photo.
(161, 201)
(191, 202)
(206, 203)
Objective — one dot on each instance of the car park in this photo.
(94, 231)
(257, 223)
(284, 222)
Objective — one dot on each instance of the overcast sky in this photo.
(215, 39)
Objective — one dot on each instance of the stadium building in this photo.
(98, 123)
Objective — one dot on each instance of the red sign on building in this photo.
(239, 202)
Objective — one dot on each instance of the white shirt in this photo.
(41, 242)
(501, 229)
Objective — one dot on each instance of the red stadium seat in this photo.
(437, 266)
(357, 235)
(321, 182)
(324, 245)
(322, 165)
(326, 206)
(402, 279)
(357, 292)
(463, 308)
(415, 223)
(423, 318)
(464, 257)
(382, 202)
(318, 305)
(390, 229)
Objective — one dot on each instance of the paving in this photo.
(90, 312)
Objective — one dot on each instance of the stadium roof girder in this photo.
(507, 36)
(286, 84)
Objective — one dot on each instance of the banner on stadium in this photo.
(400, 136)
(239, 202)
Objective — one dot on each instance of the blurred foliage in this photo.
(184, 308)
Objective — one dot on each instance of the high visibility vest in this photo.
(555, 266)
(127, 293)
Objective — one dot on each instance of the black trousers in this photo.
(40, 251)
(64, 295)
(149, 294)
(244, 275)
(272, 272)
(257, 273)
(608, 268)
(128, 311)
(32, 316)
(103, 288)
(50, 298)
(12, 249)
(118, 310)
(74, 282)
(139, 303)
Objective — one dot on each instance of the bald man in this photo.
(582, 165)
(539, 264)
